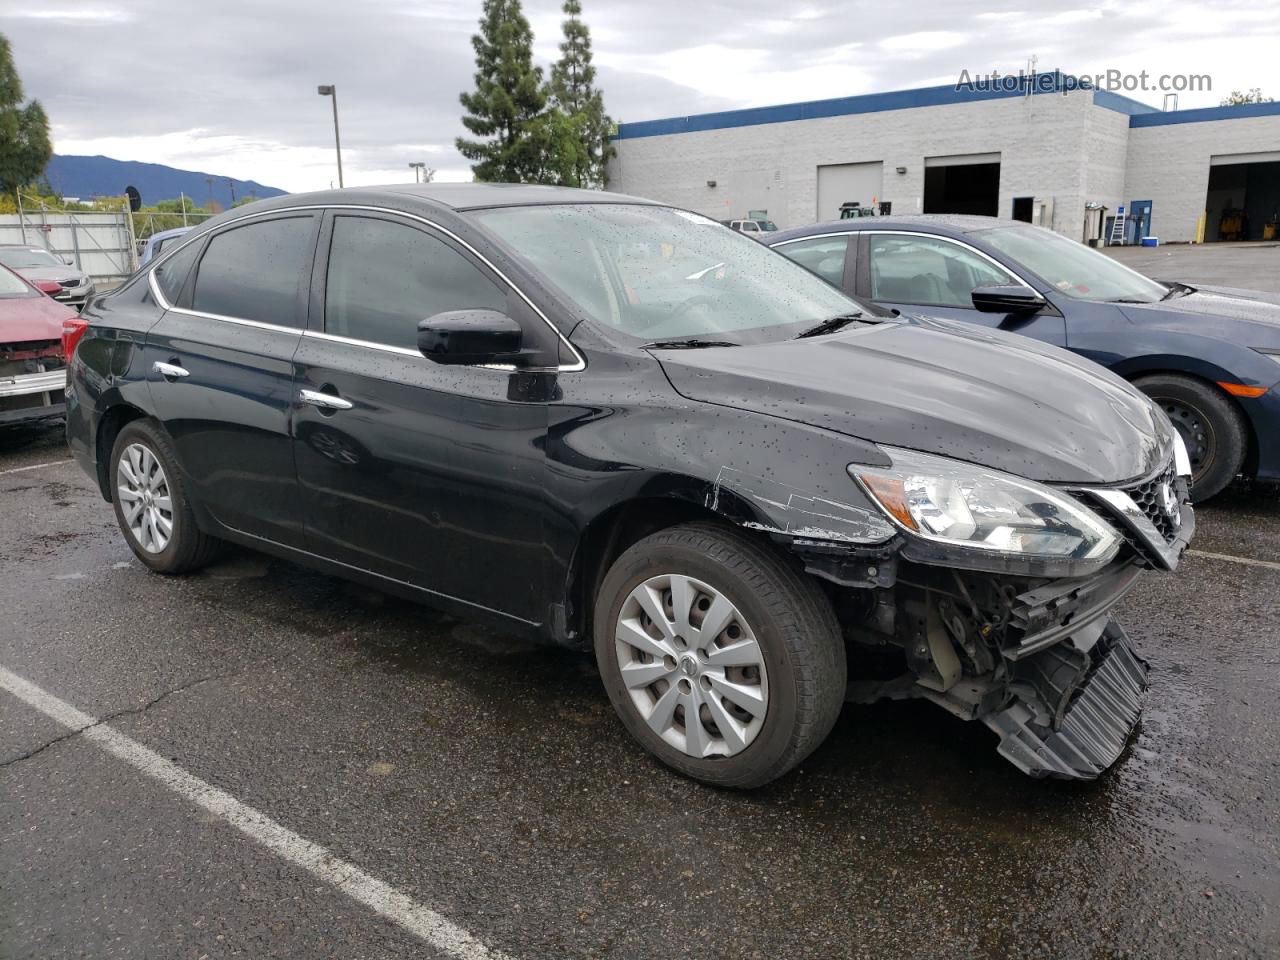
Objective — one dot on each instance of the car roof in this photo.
(454, 196)
(944, 224)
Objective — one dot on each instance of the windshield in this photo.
(28, 258)
(655, 273)
(768, 226)
(11, 285)
(1072, 268)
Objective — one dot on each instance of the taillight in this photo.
(73, 328)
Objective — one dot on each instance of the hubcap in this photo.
(144, 496)
(692, 666)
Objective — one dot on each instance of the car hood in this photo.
(51, 273)
(943, 387)
(1248, 317)
(23, 319)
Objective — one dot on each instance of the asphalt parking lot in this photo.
(474, 797)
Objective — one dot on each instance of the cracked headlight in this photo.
(960, 505)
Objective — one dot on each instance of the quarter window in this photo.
(929, 271)
(172, 274)
(255, 272)
(385, 278)
(824, 256)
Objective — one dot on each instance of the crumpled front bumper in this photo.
(1089, 731)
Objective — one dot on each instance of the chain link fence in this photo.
(99, 242)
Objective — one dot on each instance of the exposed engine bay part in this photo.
(1038, 661)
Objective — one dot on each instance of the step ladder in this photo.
(1117, 229)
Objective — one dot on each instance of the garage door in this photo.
(845, 183)
(966, 183)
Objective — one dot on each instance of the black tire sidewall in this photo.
(766, 756)
(1230, 438)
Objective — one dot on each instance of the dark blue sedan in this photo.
(1209, 356)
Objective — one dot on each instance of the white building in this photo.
(1045, 157)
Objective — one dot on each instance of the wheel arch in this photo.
(114, 419)
(1205, 374)
(615, 529)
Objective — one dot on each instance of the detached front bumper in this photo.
(1096, 717)
(32, 397)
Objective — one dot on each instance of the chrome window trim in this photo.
(847, 234)
(578, 365)
(959, 243)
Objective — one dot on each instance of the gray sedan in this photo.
(38, 264)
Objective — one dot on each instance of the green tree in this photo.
(1238, 97)
(573, 92)
(506, 107)
(25, 147)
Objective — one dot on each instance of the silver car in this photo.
(38, 264)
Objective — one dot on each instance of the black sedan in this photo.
(622, 427)
(1209, 356)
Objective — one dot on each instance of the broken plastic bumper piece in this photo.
(1074, 730)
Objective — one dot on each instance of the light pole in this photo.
(416, 166)
(329, 90)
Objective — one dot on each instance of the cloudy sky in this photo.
(229, 86)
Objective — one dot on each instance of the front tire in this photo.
(151, 503)
(723, 661)
(1211, 426)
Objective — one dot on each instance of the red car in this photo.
(33, 367)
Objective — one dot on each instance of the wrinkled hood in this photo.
(31, 318)
(51, 273)
(943, 387)
(1250, 318)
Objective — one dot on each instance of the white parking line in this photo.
(381, 897)
(34, 466)
(1265, 564)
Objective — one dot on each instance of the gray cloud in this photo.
(130, 71)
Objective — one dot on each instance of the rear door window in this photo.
(257, 271)
(385, 277)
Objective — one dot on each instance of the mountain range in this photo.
(86, 177)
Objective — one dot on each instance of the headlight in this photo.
(961, 505)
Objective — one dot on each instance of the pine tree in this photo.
(508, 101)
(25, 148)
(573, 92)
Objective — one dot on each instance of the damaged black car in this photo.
(619, 426)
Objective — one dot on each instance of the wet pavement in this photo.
(1252, 266)
(491, 783)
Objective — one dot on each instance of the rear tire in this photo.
(151, 502)
(778, 651)
(1211, 426)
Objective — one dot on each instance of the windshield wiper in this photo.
(829, 325)
(1178, 290)
(690, 344)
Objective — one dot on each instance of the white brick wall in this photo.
(1064, 148)
(1169, 165)
(774, 166)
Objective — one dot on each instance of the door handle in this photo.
(169, 369)
(325, 401)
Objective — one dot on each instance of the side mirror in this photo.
(68, 261)
(50, 287)
(1009, 298)
(470, 337)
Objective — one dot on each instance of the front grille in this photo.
(1150, 498)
